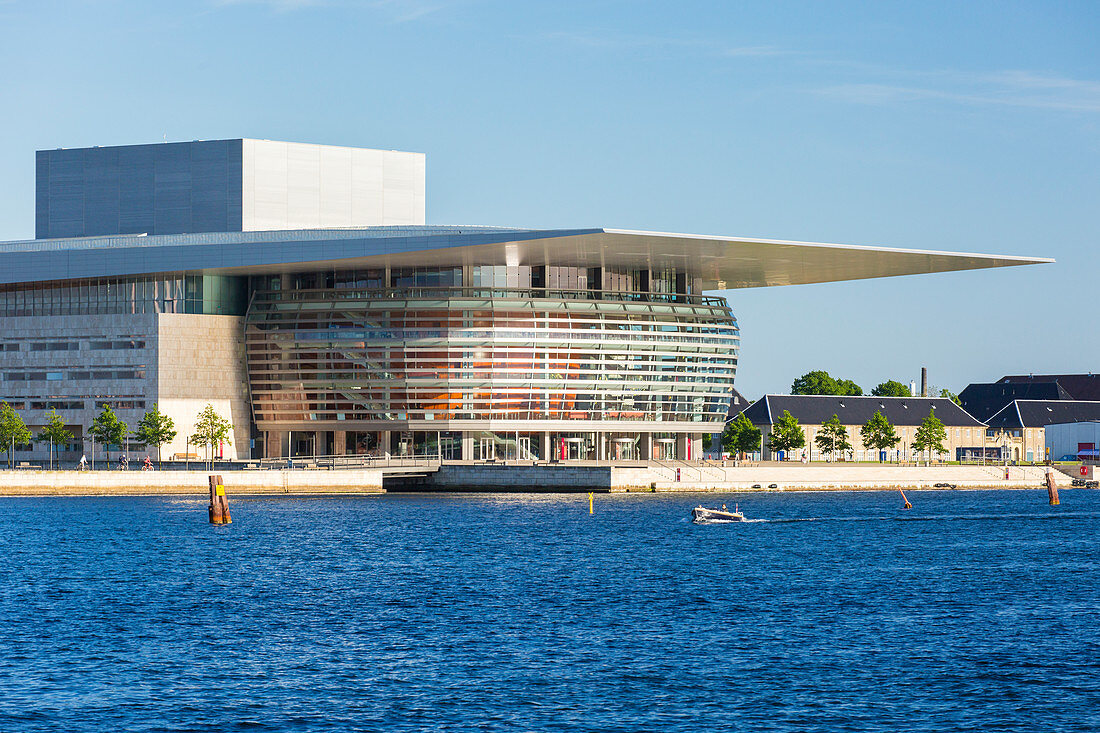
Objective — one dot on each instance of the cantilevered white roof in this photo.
(721, 261)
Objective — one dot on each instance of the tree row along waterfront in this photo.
(819, 382)
(741, 436)
(154, 429)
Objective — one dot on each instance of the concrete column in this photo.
(696, 447)
(601, 447)
(319, 442)
(645, 446)
(544, 454)
(340, 442)
(467, 447)
(384, 443)
(681, 446)
(276, 444)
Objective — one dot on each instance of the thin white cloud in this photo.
(397, 11)
(617, 40)
(744, 51)
(1013, 88)
(279, 6)
(591, 39)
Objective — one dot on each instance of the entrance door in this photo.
(622, 450)
(486, 451)
(525, 448)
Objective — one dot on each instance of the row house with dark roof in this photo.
(984, 400)
(1034, 430)
(966, 436)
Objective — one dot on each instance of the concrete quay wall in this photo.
(500, 477)
(526, 478)
(828, 476)
(91, 483)
(696, 477)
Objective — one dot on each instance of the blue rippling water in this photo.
(837, 611)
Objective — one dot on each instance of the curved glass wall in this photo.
(332, 349)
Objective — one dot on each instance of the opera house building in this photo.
(298, 289)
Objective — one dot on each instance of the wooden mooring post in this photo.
(1052, 489)
(219, 504)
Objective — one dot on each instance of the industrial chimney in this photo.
(924, 381)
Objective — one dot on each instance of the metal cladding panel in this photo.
(66, 200)
(367, 184)
(41, 194)
(303, 185)
(403, 187)
(223, 185)
(334, 198)
(101, 190)
(234, 177)
(136, 179)
(267, 185)
(167, 188)
(296, 185)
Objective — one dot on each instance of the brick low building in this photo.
(1020, 427)
(965, 435)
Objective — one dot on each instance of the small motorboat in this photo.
(702, 515)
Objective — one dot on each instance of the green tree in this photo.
(950, 395)
(155, 428)
(878, 434)
(848, 387)
(815, 382)
(108, 430)
(930, 435)
(210, 430)
(54, 433)
(821, 382)
(13, 431)
(786, 434)
(832, 437)
(740, 436)
(891, 388)
(708, 441)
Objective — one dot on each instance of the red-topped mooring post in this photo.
(219, 504)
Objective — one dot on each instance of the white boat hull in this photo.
(702, 515)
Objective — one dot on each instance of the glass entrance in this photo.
(624, 449)
(486, 449)
(525, 453)
(665, 449)
(574, 449)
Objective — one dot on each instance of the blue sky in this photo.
(957, 126)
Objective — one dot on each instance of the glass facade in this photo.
(174, 293)
(334, 351)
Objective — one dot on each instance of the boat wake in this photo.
(934, 518)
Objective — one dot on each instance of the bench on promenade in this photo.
(185, 456)
(27, 464)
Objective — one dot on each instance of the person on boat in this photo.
(723, 507)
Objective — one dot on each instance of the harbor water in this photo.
(838, 611)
